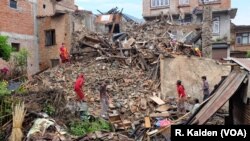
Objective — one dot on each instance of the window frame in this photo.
(12, 5)
(16, 46)
(240, 36)
(52, 37)
(159, 3)
(209, 1)
(181, 2)
(216, 20)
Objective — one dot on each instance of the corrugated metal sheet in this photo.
(244, 62)
(219, 98)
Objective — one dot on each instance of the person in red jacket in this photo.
(181, 97)
(78, 87)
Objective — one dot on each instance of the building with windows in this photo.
(18, 22)
(240, 40)
(222, 14)
(55, 25)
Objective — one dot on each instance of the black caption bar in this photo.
(210, 132)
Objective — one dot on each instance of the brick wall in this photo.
(18, 24)
(48, 8)
(61, 24)
(69, 4)
(45, 8)
(148, 11)
(18, 20)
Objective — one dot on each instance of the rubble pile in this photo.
(128, 86)
(134, 96)
(139, 45)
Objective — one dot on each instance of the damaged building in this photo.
(18, 22)
(192, 12)
(54, 28)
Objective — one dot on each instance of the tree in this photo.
(5, 48)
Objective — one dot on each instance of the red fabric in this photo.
(80, 94)
(181, 91)
(78, 87)
(4, 70)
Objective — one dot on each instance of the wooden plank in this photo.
(147, 122)
(152, 132)
(129, 43)
(165, 114)
(157, 100)
(245, 99)
(163, 108)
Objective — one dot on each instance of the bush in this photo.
(20, 61)
(3, 88)
(80, 128)
(248, 54)
(5, 48)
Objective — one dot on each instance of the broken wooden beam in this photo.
(165, 114)
(157, 100)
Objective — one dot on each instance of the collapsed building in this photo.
(142, 69)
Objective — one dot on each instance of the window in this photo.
(159, 3)
(13, 4)
(243, 38)
(50, 37)
(183, 2)
(216, 25)
(15, 47)
(209, 1)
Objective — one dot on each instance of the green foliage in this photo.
(20, 58)
(5, 48)
(3, 88)
(21, 90)
(49, 109)
(80, 128)
(20, 61)
(248, 54)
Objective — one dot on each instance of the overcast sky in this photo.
(134, 8)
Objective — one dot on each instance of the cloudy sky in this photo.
(134, 8)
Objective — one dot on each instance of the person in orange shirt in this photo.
(64, 55)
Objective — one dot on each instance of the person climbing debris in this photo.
(64, 55)
(104, 99)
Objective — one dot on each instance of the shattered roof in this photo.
(244, 62)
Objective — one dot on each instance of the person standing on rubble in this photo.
(205, 88)
(104, 99)
(173, 41)
(79, 86)
(64, 55)
(181, 97)
(181, 15)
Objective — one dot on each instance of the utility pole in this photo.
(207, 31)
